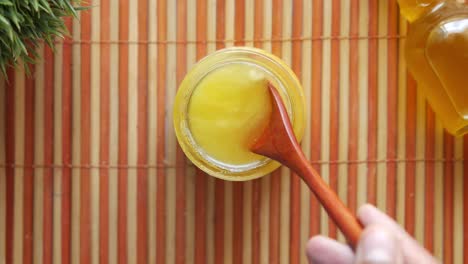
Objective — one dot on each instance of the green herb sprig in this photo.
(25, 23)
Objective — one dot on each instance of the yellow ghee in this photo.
(228, 110)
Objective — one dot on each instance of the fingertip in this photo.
(323, 250)
(313, 245)
(365, 211)
(368, 214)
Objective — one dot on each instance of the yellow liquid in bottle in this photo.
(228, 110)
(437, 56)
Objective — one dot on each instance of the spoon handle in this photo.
(341, 215)
(279, 142)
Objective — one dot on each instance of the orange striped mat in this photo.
(90, 171)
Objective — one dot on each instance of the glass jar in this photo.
(275, 71)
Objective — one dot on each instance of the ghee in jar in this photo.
(437, 56)
(223, 105)
(228, 111)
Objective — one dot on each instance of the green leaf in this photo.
(17, 19)
(71, 9)
(26, 23)
(35, 4)
(44, 5)
(6, 3)
(6, 26)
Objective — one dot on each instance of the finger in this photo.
(323, 250)
(412, 251)
(378, 246)
(369, 215)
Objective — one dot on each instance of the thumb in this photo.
(378, 246)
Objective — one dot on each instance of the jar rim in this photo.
(282, 76)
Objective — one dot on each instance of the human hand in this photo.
(382, 241)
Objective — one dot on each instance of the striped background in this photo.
(90, 171)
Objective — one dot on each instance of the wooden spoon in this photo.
(278, 142)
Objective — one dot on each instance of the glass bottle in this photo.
(437, 56)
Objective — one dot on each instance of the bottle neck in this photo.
(414, 9)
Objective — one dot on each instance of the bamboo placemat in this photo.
(90, 171)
